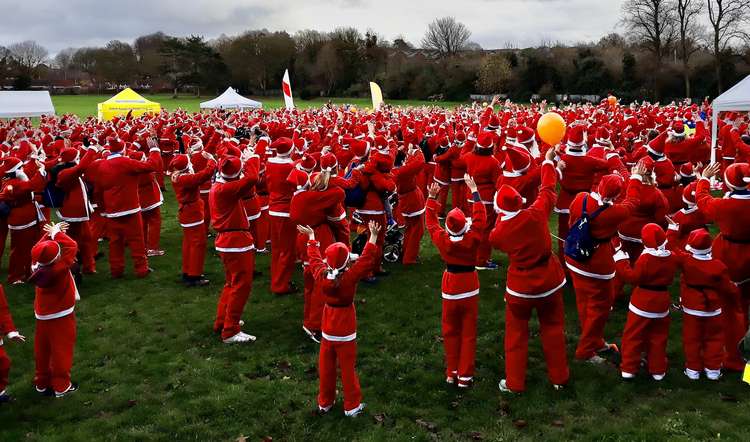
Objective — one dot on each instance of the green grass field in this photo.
(85, 105)
(150, 368)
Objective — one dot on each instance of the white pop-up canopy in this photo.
(230, 99)
(735, 99)
(15, 104)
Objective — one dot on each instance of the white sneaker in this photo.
(465, 382)
(596, 359)
(240, 338)
(692, 374)
(324, 410)
(503, 386)
(713, 375)
(242, 322)
(355, 412)
(626, 375)
(658, 377)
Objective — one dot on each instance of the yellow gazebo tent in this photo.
(124, 102)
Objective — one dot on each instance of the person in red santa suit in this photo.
(593, 278)
(76, 207)
(732, 247)
(187, 185)
(199, 163)
(233, 242)
(520, 173)
(151, 200)
(678, 147)
(321, 207)
(20, 183)
(684, 222)
(534, 281)
(704, 285)
(338, 348)
(647, 327)
(116, 179)
(485, 170)
(54, 309)
(410, 201)
(282, 229)
(457, 244)
(8, 330)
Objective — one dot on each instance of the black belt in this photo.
(736, 241)
(655, 288)
(338, 305)
(700, 288)
(664, 187)
(457, 268)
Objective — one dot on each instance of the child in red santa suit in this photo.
(8, 330)
(647, 326)
(54, 308)
(458, 244)
(704, 286)
(338, 348)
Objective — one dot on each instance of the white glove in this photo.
(620, 255)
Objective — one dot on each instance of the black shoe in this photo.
(47, 392)
(197, 282)
(382, 272)
(4, 398)
(73, 387)
(257, 273)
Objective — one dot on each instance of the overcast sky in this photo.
(58, 24)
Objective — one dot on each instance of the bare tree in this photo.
(28, 54)
(727, 18)
(446, 36)
(687, 14)
(651, 24)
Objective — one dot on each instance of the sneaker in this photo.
(465, 382)
(4, 397)
(240, 338)
(713, 375)
(626, 375)
(558, 387)
(324, 410)
(489, 265)
(597, 360)
(314, 335)
(450, 380)
(197, 282)
(658, 377)
(692, 374)
(46, 392)
(609, 348)
(503, 386)
(151, 253)
(73, 387)
(355, 412)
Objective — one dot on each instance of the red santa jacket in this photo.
(339, 315)
(200, 163)
(6, 320)
(20, 195)
(56, 290)
(485, 170)
(410, 198)
(324, 212)
(526, 183)
(460, 279)
(228, 215)
(578, 176)
(652, 207)
(187, 188)
(76, 206)
(651, 276)
(533, 271)
(116, 178)
(684, 150)
(280, 191)
(704, 285)
(685, 221)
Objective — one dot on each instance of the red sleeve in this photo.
(437, 234)
(706, 203)
(315, 260)
(198, 178)
(547, 197)
(6, 320)
(366, 262)
(629, 274)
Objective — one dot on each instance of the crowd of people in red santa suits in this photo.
(639, 174)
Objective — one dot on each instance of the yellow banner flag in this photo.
(377, 96)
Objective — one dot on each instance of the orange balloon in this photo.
(551, 128)
(612, 100)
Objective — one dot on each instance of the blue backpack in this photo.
(579, 244)
(354, 197)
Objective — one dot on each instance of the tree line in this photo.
(668, 49)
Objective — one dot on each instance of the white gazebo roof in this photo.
(230, 99)
(15, 104)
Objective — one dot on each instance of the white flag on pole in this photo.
(286, 86)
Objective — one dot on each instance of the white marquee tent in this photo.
(735, 99)
(15, 104)
(230, 99)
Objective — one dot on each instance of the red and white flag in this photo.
(286, 86)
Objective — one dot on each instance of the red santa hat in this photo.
(576, 138)
(610, 187)
(494, 123)
(518, 159)
(602, 135)
(115, 145)
(45, 252)
(298, 178)
(508, 201)
(179, 163)
(524, 135)
(337, 258)
(737, 176)
(360, 148)
(699, 242)
(307, 163)
(678, 129)
(648, 164)
(68, 155)
(688, 193)
(230, 167)
(283, 146)
(485, 140)
(300, 144)
(653, 236)
(328, 162)
(511, 136)
(456, 224)
(687, 171)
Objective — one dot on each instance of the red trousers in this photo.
(459, 325)
(3, 236)
(344, 356)
(80, 232)
(644, 335)
(238, 271)
(262, 231)
(562, 232)
(734, 327)
(314, 302)
(593, 299)
(459, 196)
(193, 249)
(4, 368)
(703, 342)
(98, 225)
(551, 321)
(206, 210)
(484, 253)
(122, 231)
(412, 237)
(283, 237)
(152, 228)
(634, 250)
(443, 199)
(54, 342)
(21, 242)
